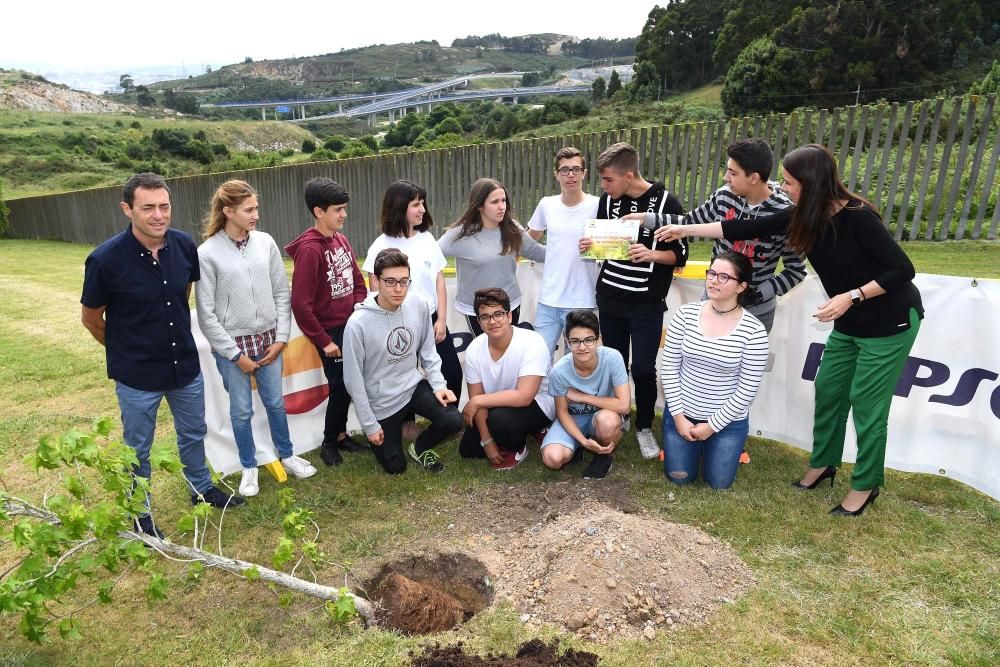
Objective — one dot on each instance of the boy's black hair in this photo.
(753, 156)
(324, 192)
(583, 318)
(491, 296)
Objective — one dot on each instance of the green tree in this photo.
(126, 83)
(645, 86)
(679, 40)
(531, 79)
(598, 89)
(370, 141)
(990, 83)
(746, 21)
(143, 97)
(763, 78)
(614, 84)
(448, 124)
(79, 534)
(308, 146)
(335, 143)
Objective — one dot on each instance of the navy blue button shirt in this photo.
(148, 323)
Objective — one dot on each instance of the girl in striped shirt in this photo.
(712, 363)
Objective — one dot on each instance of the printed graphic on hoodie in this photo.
(339, 272)
(398, 344)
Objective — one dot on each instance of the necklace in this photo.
(723, 312)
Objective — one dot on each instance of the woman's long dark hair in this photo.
(815, 168)
(744, 274)
(396, 200)
(471, 221)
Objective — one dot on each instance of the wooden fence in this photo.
(931, 166)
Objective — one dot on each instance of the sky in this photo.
(112, 34)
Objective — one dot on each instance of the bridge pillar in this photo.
(371, 120)
(263, 113)
(302, 110)
(340, 107)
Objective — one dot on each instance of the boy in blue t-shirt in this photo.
(592, 396)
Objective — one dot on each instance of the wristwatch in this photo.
(237, 357)
(856, 296)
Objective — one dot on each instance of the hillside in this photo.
(27, 92)
(372, 67)
(43, 152)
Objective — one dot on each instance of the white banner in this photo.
(945, 417)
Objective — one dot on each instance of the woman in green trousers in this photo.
(874, 306)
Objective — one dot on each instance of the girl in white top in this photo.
(713, 361)
(485, 243)
(405, 223)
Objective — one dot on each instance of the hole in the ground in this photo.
(430, 593)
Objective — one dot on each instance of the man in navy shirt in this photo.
(135, 303)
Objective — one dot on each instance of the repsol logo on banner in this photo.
(920, 372)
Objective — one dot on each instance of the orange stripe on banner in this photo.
(299, 355)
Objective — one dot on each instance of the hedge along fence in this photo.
(931, 166)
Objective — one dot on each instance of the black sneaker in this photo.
(145, 525)
(330, 454)
(352, 446)
(599, 467)
(219, 499)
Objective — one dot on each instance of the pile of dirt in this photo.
(534, 653)
(604, 574)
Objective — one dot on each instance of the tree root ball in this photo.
(430, 593)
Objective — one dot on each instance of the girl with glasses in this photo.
(711, 366)
(485, 243)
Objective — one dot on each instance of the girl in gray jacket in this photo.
(244, 311)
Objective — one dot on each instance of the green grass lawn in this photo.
(913, 581)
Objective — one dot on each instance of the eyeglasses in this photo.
(589, 341)
(723, 278)
(566, 171)
(392, 282)
(492, 317)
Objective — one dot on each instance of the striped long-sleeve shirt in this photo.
(765, 251)
(712, 378)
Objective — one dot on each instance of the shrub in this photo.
(335, 143)
(308, 146)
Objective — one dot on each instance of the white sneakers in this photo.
(248, 483)
(648, 446)
(296, 466)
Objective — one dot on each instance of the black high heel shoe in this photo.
(840, 511)
(830, 472)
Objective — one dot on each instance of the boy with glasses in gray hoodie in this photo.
(388, 341)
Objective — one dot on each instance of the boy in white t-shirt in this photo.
(568, 281)
(506, 370)
(592, 397)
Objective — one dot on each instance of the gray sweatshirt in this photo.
(381, 352)
(479, 264)
(241, 293)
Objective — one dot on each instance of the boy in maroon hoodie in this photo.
(326, 285)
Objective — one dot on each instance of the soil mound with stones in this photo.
(605, 574)
(534, 653)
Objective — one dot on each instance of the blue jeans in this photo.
(550, 321)
(718, 457)
(188, 407)
(237, 383)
